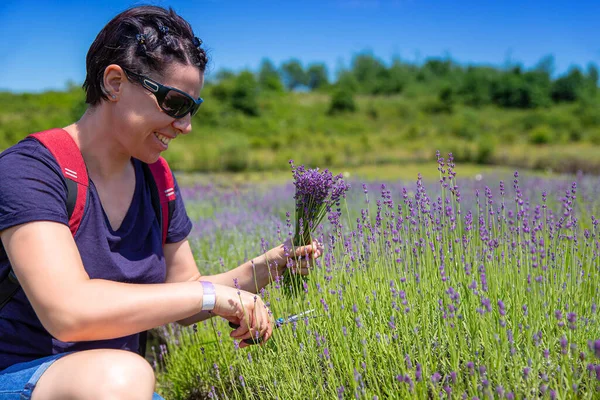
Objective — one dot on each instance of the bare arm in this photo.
(251, 276)
(73, 307)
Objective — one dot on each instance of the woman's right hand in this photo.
(246, 310)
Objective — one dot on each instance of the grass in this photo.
(420, 294)
(385, 130)
(385, 172)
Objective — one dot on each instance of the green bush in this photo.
(593, 136)
(542, 134)
(485, 150)
(465, 125)
(244, 96)
(568, 87)
(342, 100)
(234, 154)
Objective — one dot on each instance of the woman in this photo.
(71, 331)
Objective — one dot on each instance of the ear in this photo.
(113, 80)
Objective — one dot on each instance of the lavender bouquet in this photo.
(317, 192)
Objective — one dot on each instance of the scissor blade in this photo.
(297, 317)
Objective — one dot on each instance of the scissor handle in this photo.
(278, 323)
(248, 341)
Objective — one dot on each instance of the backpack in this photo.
(69, 158)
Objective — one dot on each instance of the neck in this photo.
(104, 156)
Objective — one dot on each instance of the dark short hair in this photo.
(167, 38)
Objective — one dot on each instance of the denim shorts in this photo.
(18, 381)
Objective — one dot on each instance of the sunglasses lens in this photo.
(176, 104)
(195, 109)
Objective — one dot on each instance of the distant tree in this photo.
(506, 90)
(317, 76)
(370, 72)
(475, 86)
(72, 86)
(398, 77)
(537, 86)
(438, 67)
(446, 98)
(268, 77)
(224, 74)
(592, 80)
(293, 74)
(519, 89)
(568, 87)
(546, 65)
(347, 80)
(592, 74)
(223, 89)
(244, 96)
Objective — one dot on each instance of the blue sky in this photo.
(43, 43)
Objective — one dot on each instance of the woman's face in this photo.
(144, 130)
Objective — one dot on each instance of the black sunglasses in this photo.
(174, 102)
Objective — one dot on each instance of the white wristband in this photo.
(209, 297)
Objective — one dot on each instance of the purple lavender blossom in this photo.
(317, 192)
(594, 346)
(418, 373)
(501, 308)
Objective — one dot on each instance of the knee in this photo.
(125, 376)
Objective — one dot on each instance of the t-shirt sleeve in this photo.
(31, 186)
(180, 224)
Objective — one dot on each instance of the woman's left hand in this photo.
(298, 259)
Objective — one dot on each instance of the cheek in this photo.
(142, 114)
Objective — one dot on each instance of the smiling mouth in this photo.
(165, 140)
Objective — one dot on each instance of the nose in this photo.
(183, 125)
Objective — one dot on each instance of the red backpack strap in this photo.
(69, 158)
(166, 192)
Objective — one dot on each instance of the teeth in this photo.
(162, 138)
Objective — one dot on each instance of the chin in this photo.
(148, 158)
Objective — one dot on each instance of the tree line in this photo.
(372, 112)
(452, 83)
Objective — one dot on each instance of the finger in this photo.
(253, 331)
(316, 246)
(237, 328)
(261, 323)
(302, 250)
(239, 332)
(304, 271)
(292, 265)
(310, 263)
(317, 253)
(244, 328)
(267, 325)
(261, 318)
(268, 331)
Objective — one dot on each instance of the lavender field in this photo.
(456, 288)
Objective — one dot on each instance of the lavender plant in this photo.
(462, 288)
(317, 194)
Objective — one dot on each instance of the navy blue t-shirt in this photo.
(32, 188)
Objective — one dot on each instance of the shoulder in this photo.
(28, 153)
(32, 186)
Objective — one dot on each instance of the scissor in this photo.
(279, 322)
